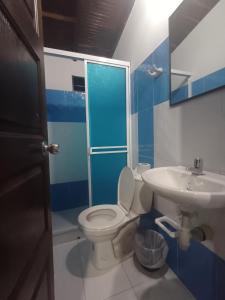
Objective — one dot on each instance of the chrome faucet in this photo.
(197, 169)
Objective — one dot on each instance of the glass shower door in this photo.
(107, 129)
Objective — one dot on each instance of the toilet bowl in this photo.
(111, 228)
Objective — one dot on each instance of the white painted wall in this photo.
(146, 28)
(59, 72)
(202, 51)
(181, 133)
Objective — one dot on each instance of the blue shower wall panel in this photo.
(107, 103)
(65, 106)
(69, 195)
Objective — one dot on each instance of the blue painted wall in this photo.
(68, 169)
(201, 270)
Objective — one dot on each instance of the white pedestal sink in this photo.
(181, 186)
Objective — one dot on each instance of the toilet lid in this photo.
(126, 187)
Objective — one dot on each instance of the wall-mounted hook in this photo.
(155, 71)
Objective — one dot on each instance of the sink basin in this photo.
(180, 186)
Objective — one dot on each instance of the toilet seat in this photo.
(101, 217)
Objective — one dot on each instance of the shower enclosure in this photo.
(91, 124)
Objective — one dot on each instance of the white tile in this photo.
(135, 273)
(70, 164)
(165, 288)
(127, 295)
(67, 272)
(100, 285)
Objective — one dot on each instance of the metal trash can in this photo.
(150, 248)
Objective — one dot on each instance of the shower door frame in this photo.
(86, 58)
(127, 147)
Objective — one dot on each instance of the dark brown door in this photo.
(25, 226)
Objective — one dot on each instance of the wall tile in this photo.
(197, 269)
(182, 132)
(220, 279)
(145, 136)
(69, 195)
(64, 106)
(161, 84)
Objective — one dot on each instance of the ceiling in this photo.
(186, 17)
(86, 26)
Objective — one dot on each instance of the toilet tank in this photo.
(143, 196)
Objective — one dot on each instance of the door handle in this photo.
(51, 148)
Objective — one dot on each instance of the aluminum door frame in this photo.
(127, 147)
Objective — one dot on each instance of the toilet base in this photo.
(108, 253)
(103, 256)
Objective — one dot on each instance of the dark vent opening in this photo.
(78, 84)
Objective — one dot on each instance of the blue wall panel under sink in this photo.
(200, 269)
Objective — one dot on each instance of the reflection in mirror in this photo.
(197, 48)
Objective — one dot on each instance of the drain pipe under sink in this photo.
(184, 231)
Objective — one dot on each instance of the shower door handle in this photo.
(51, 148)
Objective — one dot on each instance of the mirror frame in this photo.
(190, 6)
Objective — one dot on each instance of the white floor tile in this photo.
(163, 289)
(100, 285)
(127, 295)
(136, 274)
(65, 220)
(67, 272)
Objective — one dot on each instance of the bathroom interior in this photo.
(140, 129)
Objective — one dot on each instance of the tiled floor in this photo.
(65, 225)
(65, 220)
(77, 279)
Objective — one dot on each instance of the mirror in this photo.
(197, 48)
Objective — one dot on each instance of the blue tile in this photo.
(147, 221)
(209, 82)
(145, 134)
(145, 127)
(69, 195)
(64, 106)
(146, 154)
(179, 94)
(134, 108)
(161, 84)
(197, 270)
(215, 80)
(220, 279)
(198, 87)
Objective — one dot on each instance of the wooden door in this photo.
(26, 270)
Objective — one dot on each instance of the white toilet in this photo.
(111, 228)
